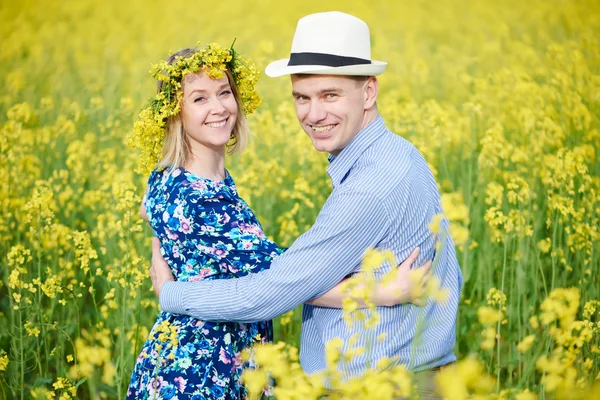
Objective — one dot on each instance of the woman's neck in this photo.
(207, 162)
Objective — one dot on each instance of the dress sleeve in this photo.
(152, 181)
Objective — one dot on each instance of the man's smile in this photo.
(322, 130)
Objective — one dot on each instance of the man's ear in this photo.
(371, 91)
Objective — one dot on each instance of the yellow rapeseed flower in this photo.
(488, 315)
(526, 343)
(466, 378)
(31, 329)
(3, 360)
(434, 224)
(286, 318)
(526, 395)
(488, 338)
(545, 245)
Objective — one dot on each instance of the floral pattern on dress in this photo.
(206, 232)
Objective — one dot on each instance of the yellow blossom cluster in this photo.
(491, 317)
(166, 339)
(3, 360)
(280, 362)
(466, 378)
(64, 389)
(93, 356)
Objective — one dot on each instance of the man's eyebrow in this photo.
(320, 92)
(329, 90)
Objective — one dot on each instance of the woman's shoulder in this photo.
(156, 175)
(165, 178)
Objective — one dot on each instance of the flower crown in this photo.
(149, 130)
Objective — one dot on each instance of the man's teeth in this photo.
(217, 124)
(323, 128)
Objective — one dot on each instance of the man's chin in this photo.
(320, 146)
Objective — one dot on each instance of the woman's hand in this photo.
(408, 286)
(160, 272)
(143, 212)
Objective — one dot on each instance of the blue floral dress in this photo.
(206, 232)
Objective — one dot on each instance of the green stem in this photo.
(500, 321)
(22, 357)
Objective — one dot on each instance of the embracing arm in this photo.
(332, 249)
(399, 291)
(143, 212)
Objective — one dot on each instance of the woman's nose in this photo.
(217, 106)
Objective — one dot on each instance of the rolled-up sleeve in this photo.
(348, 224)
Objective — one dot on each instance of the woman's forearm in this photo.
(334, 298)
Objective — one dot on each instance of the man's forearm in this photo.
(204, 299)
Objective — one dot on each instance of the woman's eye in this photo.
(199, 99)
(225, 92)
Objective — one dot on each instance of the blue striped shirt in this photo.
(384, 196)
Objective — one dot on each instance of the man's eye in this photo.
(330, 95)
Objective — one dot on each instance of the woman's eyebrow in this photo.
(224, 85)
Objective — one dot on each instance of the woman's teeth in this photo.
(216, 124)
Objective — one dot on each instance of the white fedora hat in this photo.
(330, 43)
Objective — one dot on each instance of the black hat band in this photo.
(329, 60)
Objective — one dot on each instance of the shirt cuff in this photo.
(172, 297)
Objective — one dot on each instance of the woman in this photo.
(206, 230)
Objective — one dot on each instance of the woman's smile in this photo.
(217, 124)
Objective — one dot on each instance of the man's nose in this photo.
(316, 113)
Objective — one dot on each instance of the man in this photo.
(384, 196)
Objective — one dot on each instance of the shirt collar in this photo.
(340, 166)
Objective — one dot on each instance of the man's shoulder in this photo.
(393, 147)
(391, 158)
(388, 167)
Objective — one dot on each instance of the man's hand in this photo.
(408, 285)
(160, 272)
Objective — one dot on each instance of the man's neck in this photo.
(368, 117)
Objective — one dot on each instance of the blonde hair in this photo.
(176, 147)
